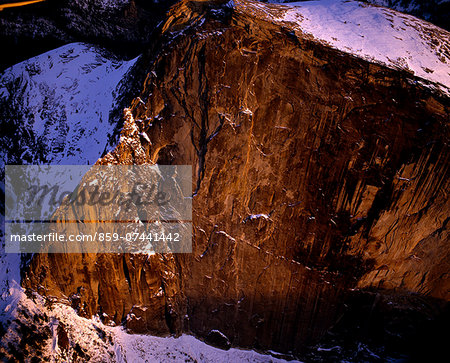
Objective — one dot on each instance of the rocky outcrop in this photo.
(316, 172)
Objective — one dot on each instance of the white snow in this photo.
(145, 136)
(246, 111)
(9, 278)
(11, 295)
(108, 344)
(227, 235)
(257, 216)
(65, 96)
(186, 348)
(374, 33)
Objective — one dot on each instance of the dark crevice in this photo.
(126, 271)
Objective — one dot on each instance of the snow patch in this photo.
(373, 33)
(252, 217)
(105, 343)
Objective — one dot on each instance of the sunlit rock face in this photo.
(315, 172)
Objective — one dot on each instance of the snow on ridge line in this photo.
(374, 33)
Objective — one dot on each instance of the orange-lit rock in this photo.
(315, 172)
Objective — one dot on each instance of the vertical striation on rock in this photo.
(315, 172)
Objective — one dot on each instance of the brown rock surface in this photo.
(315, 172)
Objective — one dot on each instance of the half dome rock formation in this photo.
(319, 169)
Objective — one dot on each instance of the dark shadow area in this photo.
(376, 326)
(30, 30)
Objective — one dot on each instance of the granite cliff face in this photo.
(315, 173)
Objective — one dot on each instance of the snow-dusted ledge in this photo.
(374, 33)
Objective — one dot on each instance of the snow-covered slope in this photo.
(374, 33)
(56, 333)
(55, 108)
(141, 348)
